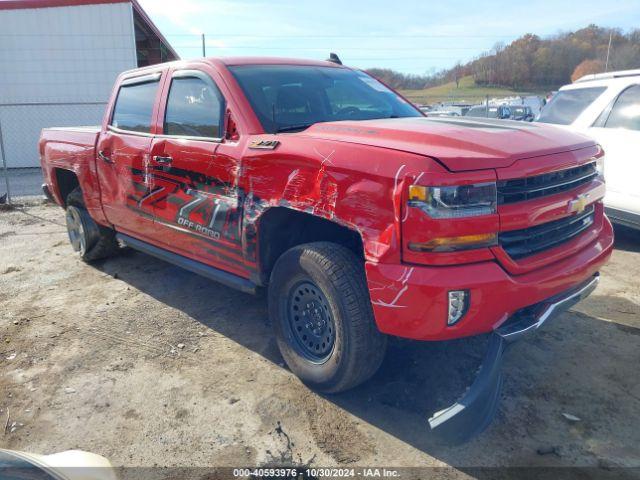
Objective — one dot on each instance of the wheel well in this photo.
(283, 228)
(67, 182)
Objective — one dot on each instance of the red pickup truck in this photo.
(362, 217)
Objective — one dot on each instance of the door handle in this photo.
(104, 157)
(163, 160)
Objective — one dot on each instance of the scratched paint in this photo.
(393, 291)
(210, 203)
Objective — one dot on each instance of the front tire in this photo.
(320, 308)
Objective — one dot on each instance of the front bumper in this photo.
(411, 301)
(471, 414)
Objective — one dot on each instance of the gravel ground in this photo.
(150, 365)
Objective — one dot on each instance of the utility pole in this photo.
(204, 48)
(606, 64)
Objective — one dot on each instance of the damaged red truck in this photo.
(360, 216)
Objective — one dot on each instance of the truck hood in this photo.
(460, 144)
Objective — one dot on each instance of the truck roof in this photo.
(234, 61)
(273, 61)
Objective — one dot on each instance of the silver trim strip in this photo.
(113, 129)
(553, 309)
(161, 135)
(187, 137)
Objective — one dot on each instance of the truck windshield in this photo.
(566, 105)
(294, 97)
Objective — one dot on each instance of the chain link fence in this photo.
(20, 127)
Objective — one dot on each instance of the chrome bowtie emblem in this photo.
(578, 204)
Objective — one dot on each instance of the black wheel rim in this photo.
(310, 322)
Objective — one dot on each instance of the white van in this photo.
(606, 107)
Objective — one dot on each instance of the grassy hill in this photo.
(466, 91)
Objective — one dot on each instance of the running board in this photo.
(212, 273)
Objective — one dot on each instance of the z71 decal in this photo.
(189, 201)
(214, 212)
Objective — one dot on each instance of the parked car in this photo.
(441, 113)
(606, 107)
(521, 113)
(360, 217)
(502, 112)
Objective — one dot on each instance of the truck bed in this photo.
(70, 149)
(70, 135)
(82, 137)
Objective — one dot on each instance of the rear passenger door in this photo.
(196, 204)
(123, 155)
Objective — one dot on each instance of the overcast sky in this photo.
(409, 36)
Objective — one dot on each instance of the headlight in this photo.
(455, 202)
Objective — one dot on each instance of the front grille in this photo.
(528, 188)
(529, 241)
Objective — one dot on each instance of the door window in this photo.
(194, 108)
(626, 111)
(134, 107)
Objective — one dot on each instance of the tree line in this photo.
(532, 62)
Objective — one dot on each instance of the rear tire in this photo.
(90, 240)
(320, 308)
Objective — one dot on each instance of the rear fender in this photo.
(78, 158)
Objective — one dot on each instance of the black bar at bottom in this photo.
(470, 415)
(212, 273)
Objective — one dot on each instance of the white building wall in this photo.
(57, 68)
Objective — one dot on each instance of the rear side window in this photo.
(626, 111)
(194, 108)
(134, 107)
(567, 105)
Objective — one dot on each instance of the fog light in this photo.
(458, 305)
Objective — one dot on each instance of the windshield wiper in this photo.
(289, 128)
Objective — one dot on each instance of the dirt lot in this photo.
(148, 364)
